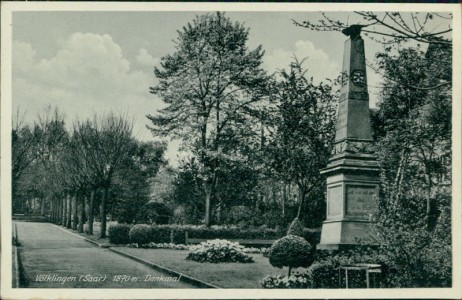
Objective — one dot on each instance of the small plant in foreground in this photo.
(291, 251)
(219, 251)
(295, 281)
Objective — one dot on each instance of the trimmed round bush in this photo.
(119, 234)
(140, 234)
(296, 228)
(291, 251)
(219, 251)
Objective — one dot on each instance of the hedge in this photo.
(140, 234)
(118, 234)
(176, 233)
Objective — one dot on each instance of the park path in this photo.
(50, 256)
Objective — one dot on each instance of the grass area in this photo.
(226, 275)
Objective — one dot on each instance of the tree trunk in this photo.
(430, 203)
(58, 211)
(90, 211)
(69, 211)
(208, 194)
(102, 233)
(64, 211)
(60, 207)
(75, 208)
(284, 199)
(111, 216)
(290, 271)
(301, 196)
(399, 180)
(82, 213)
(51, 212)
(55, 210)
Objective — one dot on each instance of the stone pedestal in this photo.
(353, 171)
(352, 192)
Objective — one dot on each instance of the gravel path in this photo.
(52, 258)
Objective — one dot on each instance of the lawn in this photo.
(226, 275)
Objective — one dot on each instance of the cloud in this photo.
(318, 63)
(145, 58)
(87, 75)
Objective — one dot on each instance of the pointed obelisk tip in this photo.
(353, 31)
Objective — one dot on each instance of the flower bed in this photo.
(296, 281)
(152, 245)
(218, 251)
(171, 246)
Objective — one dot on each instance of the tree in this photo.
(415, 132)
(35, 154)
(104, 146)
(23, 155)
(209, 83)
(186, 195)
(304, 123)
(132, 183)
(397, 29)
(393, 27)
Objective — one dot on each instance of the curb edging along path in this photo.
(183, 277)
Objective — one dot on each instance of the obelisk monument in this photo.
(352, 171)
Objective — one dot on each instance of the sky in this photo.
(87, 63)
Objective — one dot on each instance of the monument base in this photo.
(346, 234)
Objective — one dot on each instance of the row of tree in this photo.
(96, 165)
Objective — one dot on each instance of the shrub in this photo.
(140, 234)
(291, 251)
(119, 234)
(154, 213)
(168, 234)
(323, 275)
(296, 228)
(218, 251)
(234, 232)
(296, 281)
